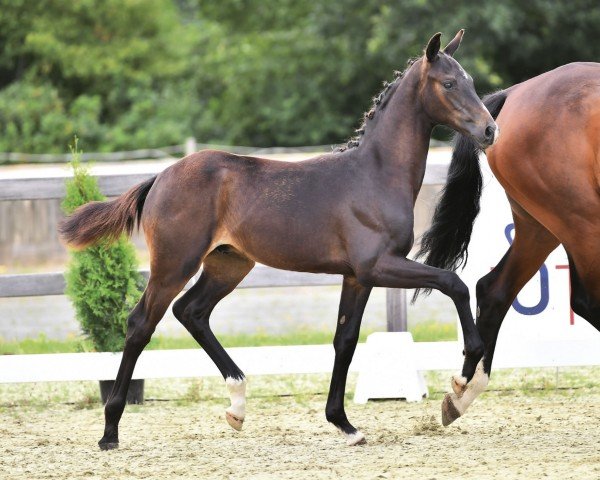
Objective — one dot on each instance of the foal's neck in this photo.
(398, 139)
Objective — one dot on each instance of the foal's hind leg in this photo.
(496, 292)
(222, 271)
(140, 325)
(352, 305)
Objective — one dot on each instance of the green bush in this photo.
(103, 281)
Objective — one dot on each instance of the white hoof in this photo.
(236, 413)
(356, 438)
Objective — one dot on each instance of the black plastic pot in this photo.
(135, 394)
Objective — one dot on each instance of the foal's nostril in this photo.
(489, 132)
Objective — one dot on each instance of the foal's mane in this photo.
(379, 103)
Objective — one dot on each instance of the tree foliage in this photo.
(103, 281)
(126, 74)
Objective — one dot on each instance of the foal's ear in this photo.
(454, 43)
(433, 47)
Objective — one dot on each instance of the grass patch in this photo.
(260, 339)
(422, 332)
(431, 331)
(87, 401)
(43, 344)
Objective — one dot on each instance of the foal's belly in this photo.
(290, 244)
(301, 254)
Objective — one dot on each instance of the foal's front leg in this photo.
(352, 305)
(394, 271)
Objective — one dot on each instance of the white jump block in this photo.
(389, 369)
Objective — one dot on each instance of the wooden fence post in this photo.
(396, 310)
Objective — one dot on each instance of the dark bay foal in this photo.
(349, 212)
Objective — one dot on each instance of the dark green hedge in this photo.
(127, 74)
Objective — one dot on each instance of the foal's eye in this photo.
(448, 85)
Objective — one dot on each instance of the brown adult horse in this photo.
(548, 161)
(349, 212)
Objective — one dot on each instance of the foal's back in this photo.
(259, 207)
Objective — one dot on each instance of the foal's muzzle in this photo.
(489, 136)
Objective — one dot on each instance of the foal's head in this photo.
(448, 95)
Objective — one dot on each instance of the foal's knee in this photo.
(345, 345)
(456, 288)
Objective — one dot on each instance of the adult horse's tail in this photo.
(445, 244)
(105, 220)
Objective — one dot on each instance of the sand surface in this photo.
(506, 434)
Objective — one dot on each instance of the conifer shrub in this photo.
(103, 281)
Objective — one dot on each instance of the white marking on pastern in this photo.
(356, 438)
(463, 399)
(236, 413)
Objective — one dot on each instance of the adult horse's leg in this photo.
(140, 325)
(495, 294)
(352, 305)
(585, 280)
(222, 271)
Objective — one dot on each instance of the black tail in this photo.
(105, 220)
(445, 243)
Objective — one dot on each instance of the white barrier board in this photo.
(389, 369)
(58, 367)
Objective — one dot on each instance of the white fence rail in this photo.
(282, 360)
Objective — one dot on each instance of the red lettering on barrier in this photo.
(572, 314)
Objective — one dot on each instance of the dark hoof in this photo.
(108, 445)
(449, 411)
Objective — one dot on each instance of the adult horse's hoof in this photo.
(234, 421)
(356, 438)
(449, 411)
(108, 445)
